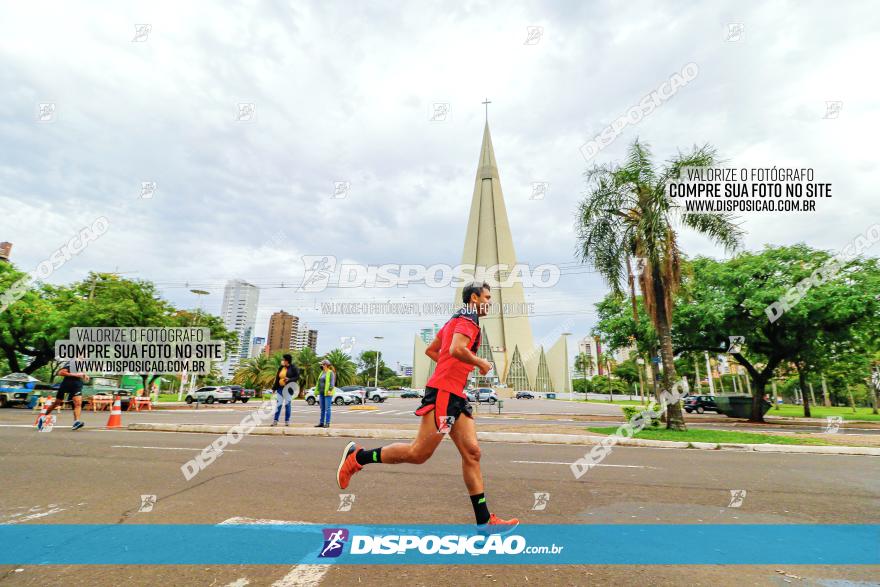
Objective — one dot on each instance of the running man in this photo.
(71, 388)
(444, 408)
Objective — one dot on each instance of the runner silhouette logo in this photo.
(334, 542)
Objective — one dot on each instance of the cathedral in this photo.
(507, 341)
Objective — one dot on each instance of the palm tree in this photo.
(583, 363)
(309, 369)
(626, 213)
(258, 372)
(346, 370)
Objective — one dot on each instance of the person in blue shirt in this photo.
(324, 392)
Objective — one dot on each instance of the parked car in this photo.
(699, 404)
(377, 394)
(340, 397)
(412, 393)
(209, 394)
(357, 390)
(525, 395)
(16, 388)
(482, 395)
(240, 393)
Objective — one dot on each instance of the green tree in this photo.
(583, 364)
(30, 325)
(723, 299)
(627, 371)
(344, 366)
(257, 372)
(627, 213)
(309, 367)
(366, 368)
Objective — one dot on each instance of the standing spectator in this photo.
(287, 374)
(324, 391)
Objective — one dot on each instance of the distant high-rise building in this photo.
(239, 313)
(258, 347)
(588, 346)
(404, 370)
(305, 337)
(282, 331)
(427, 334)
(286, 334)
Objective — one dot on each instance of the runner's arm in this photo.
(460, 349)
(65, 372)
(433, 350)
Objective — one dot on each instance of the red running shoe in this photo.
(348, 465)
(496, 525)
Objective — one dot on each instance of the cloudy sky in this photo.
(345, 92)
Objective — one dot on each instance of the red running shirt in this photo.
(451, 374)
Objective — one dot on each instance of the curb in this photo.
(514, 437)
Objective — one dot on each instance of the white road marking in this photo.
(18, 426)
(569, 464)
(166, 448)
(35, 516)
(203, 411)
(298, 575)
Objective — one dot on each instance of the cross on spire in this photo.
(486, 103)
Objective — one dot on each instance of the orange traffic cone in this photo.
(43, 410)
(115, 420)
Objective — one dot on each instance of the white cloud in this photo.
(343, 93)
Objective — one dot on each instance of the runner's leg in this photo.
(419, 450)
(464, 435)
(77, 408)
(59, 398)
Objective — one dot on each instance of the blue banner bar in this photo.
(619, 544)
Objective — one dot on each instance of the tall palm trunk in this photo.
(674, 416)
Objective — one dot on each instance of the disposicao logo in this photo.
(334, 542)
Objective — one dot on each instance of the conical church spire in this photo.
(487, 168)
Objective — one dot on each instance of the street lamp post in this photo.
(192, 382)
(378, 354)
(709, 374)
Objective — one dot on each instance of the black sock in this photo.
(365, 457)
(481, 509)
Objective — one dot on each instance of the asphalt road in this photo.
(98, 476)
(538, 412)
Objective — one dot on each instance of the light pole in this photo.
(709, 374)
(565, 336)
(192, 382)
(378, 354)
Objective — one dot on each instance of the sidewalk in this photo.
(516, 437)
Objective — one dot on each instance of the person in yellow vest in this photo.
(324, 391)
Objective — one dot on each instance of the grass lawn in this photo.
(699, 435)
(822, 412)
(622, 402)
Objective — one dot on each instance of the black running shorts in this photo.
(447, 408)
